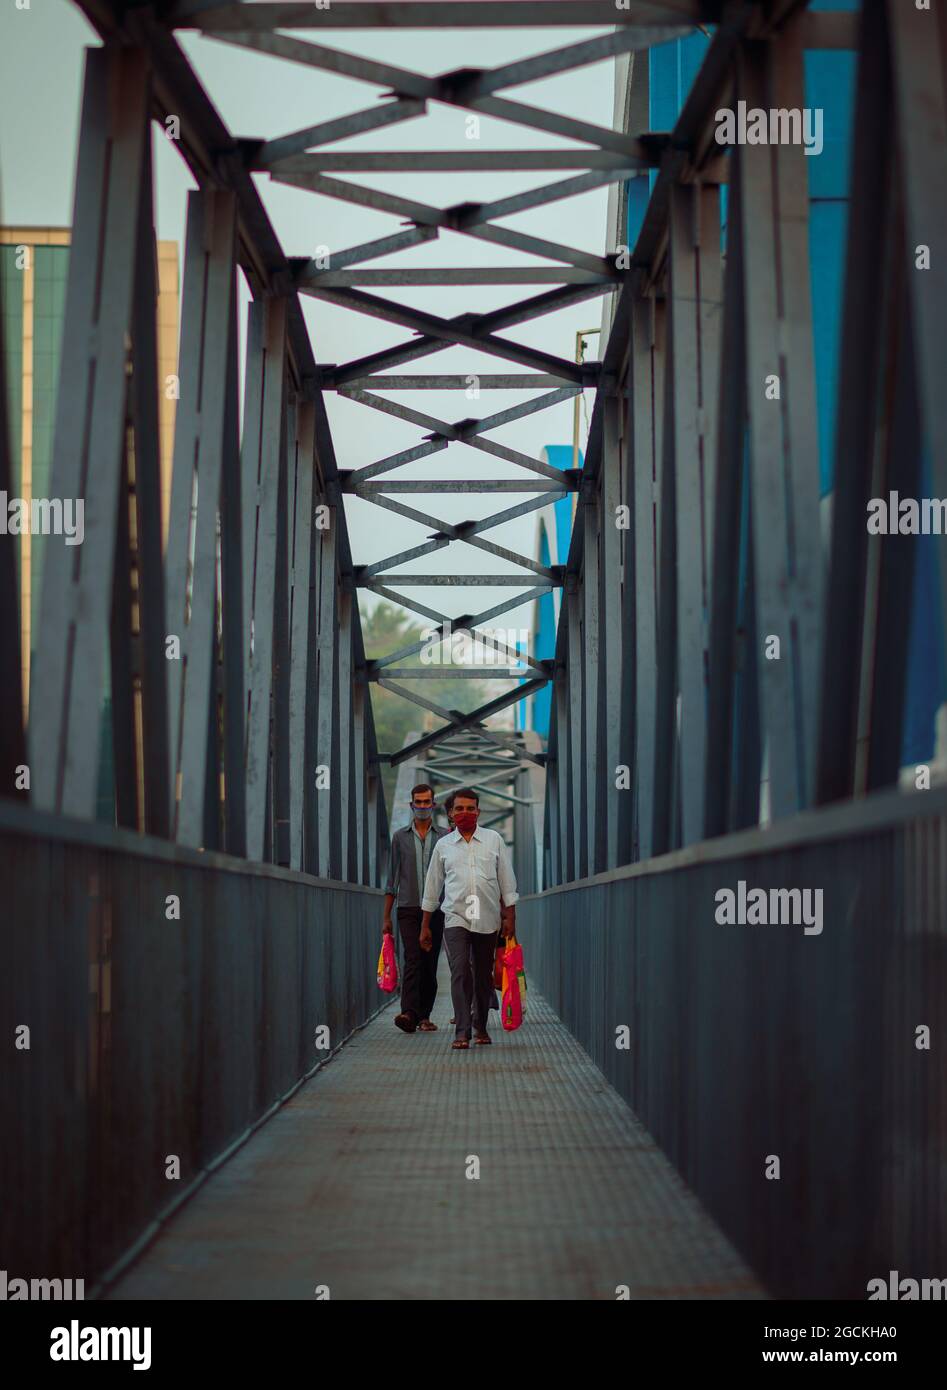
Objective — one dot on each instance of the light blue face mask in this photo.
(422, 812)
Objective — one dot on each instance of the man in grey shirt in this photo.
(411, 849)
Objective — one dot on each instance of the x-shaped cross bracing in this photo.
(607, 157)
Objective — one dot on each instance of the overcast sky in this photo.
(41, 67)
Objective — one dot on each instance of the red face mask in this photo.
(466, 820)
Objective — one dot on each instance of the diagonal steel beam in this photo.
(469, 532)
(467, 623)
(349, 372)
(430, 446)
(575, 55)
(367, 251)
(247, 35)
(447, 332)
(425, 215)
(371, 118)
(553, 123)
(468, 431)
(414, 553)
(549, 193)
(468, 721)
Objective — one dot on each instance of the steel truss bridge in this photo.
(699, 536)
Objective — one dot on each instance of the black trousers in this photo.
(471, 977)
(419, 981)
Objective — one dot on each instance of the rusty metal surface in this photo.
(359, 1184)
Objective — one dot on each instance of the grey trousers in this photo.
(470, 988)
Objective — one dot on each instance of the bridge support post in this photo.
(90, 432)
(327, 725)
(780, 387)
(205, 464)
(613, 580)
(303, 616)
(263, 466)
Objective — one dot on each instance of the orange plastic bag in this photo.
(387, 964)
(514, 986)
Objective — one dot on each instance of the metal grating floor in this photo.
(359, 1184)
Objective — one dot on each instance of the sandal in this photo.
(406, 1022)
(426, 1026)
(482, 1039)
(460, 1044)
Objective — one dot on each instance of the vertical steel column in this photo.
(689, 500)
(552, 811)
(372, 823)
(301, 625)
(124, 761)
(918, 41)
(12, 738)
(280, 750)
(613, 579)
(646, 382)
(709, 333)
(664, 751)
(859, 367)
(625, 756)
(234, 630)
(594, 759)
(694, 292)
(346, 811)
(264, 459)
(565, 800)
(783, 439)
(577, 768)
(152, 665)
(191, 559)
(327, 729)
(728, 507)
(358, 696)
(310, 757)
(70, 661)
(889, 642)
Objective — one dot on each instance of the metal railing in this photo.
(740, 1044)
(172, 999)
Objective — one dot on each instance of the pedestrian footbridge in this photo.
(201, 1091)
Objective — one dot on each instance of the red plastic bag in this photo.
(513, 1001)
(387, 964)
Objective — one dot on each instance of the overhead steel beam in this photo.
(351, 483)
(420, 581)
(516, 381)
(210, 15)
(447, 161)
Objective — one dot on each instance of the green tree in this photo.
(384, 630)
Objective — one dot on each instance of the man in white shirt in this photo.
(472, 866)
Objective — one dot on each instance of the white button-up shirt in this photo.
(474, 875)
